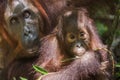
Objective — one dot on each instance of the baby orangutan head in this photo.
(73, 32)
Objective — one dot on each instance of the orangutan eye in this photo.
(71, 37)
(81, 34)
(14, 20)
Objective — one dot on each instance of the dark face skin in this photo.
(23, 23)
(75, 35)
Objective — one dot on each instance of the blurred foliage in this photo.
(117, 73)
(107, 20)
(118, 32)
(102, 28)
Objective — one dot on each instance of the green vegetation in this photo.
(22, 78)
(40, 70)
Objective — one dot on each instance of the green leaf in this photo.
(40, 70)
(22, 78)
(117, 65)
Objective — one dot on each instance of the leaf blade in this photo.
(40, 70)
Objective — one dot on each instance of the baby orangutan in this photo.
(78, 39)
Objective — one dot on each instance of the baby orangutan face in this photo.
(75, 34)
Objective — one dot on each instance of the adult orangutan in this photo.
(45, 11)
(23, 23)
(22, 26)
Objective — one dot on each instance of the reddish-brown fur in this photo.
(49, 58)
